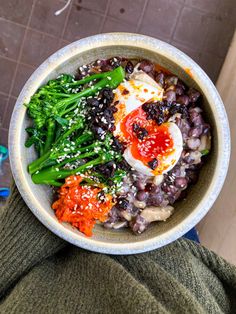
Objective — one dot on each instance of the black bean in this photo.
(140, 184)
(172, 189)
(155, 199)
(181, 182)
(146, 66)
(179, 90)
(113, 109)
(165, 187)
(183, 195)
(106, 68)
(106, 94)
(101, 196)
(183, 125)
(159, 120)
(122, 203)
(141, 195)
(181, 84)
(196, 118)
(115, 62)
(187, 157)
(113, 215)
(171, 80)
(193, 94)
(170, 96)
(183, 100)
(93, 102)
(160, 78)
(176, 170)
(139, 224)
(193, 143)
(129, 67)
(206, 128)
(195, 131)
(192, 175)
(79, 76)
(172, 198)
(151, 187)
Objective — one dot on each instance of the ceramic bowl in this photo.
(200, 197)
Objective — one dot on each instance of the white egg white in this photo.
(167, 162)
(131, 94)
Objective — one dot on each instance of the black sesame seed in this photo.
(107, 95)
(159, 120)
(117, 145)
(101, 196)
(93, 102)
(123, 165)
(153, 163)
(136, 127)
(140, 132)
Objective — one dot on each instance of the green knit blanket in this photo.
(40, 273)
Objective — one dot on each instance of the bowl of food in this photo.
(119, 143)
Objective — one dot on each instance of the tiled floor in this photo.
(30, 32)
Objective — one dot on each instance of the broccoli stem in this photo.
(35, 165)
(49, 158)
(71, 130)
(42, 92)
(52, 162)
(85, 155)
(50, 135)
(52, 174)
(111, 79)
(91, 78)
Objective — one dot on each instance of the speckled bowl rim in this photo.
(168, 51)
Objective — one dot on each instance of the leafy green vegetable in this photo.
(205, 152)
(60, 133)
(54, 104)
(100, 152)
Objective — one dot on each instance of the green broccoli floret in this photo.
(53, 106)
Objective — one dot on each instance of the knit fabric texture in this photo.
(41, 273)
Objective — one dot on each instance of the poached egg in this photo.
(159, 148)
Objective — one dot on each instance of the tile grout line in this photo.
(176, 23)
(141, 16)
(15, 61)
(100, 13)
(6, 94)
(105, 16)
(19, 57)
(30, 28)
